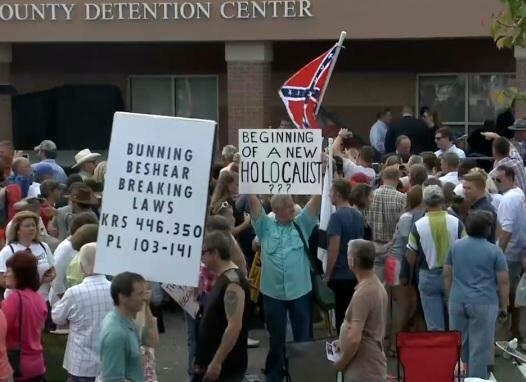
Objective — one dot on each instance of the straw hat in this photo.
(84, 156)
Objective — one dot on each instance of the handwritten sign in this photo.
(278, 161)
(155, 197)
(184, 297)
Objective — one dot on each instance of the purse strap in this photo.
(305, 246)
(19, 318)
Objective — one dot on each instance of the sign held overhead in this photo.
(280, 161)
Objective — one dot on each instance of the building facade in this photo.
(74, 63)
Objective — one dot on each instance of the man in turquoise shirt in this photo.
(120, 351)
(285, 273)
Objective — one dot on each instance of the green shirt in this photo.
(120, 352)
(285, 269)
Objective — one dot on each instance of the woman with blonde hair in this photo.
(99, 174)
(226, 190)
(23, 234)
(86, 234)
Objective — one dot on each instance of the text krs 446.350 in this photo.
(160, 226)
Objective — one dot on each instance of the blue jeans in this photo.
(433, 296)
(192, 328)
(477, 325)
(300, 314)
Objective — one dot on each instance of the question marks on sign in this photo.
(280, 187)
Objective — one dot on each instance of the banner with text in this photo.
(279, 161)
(184, 297)
(155, 197)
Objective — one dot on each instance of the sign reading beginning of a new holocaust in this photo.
(155, 198)
(276, 161)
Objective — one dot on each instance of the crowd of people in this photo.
(49, 226)
(424, 239)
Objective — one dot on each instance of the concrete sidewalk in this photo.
(172, 356)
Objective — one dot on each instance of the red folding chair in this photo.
(428, 356)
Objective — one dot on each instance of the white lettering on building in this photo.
(184, 10)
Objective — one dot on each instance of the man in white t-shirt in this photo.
(449, 163)
(444, 140)
(363, 164)
(511, 216)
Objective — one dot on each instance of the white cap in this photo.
(459, 190)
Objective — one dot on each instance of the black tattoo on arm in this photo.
(231, 301)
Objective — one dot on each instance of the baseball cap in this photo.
(43, 169)
(458, 192)
(46, 145)
(432, 194)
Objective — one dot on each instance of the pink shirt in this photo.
(34, 313)
(5, 368)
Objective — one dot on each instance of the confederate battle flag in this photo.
(303, 92)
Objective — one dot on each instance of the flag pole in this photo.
(330, 159)
(343, 34)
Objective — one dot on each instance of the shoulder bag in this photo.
(323, 295)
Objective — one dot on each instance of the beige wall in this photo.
(370, 75)
(363, 19)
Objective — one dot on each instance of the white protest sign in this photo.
(155, 197)
(184, 296)
(279, 161)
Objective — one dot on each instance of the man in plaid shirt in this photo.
(385, 210)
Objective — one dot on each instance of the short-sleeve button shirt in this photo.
(285, 268)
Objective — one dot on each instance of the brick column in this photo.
(520, 80)
(248, 87)
(5, 100)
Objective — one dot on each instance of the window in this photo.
(180, 96)
(462, 99)
(445, 95)
(481, 95)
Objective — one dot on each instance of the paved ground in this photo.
(172, 356)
